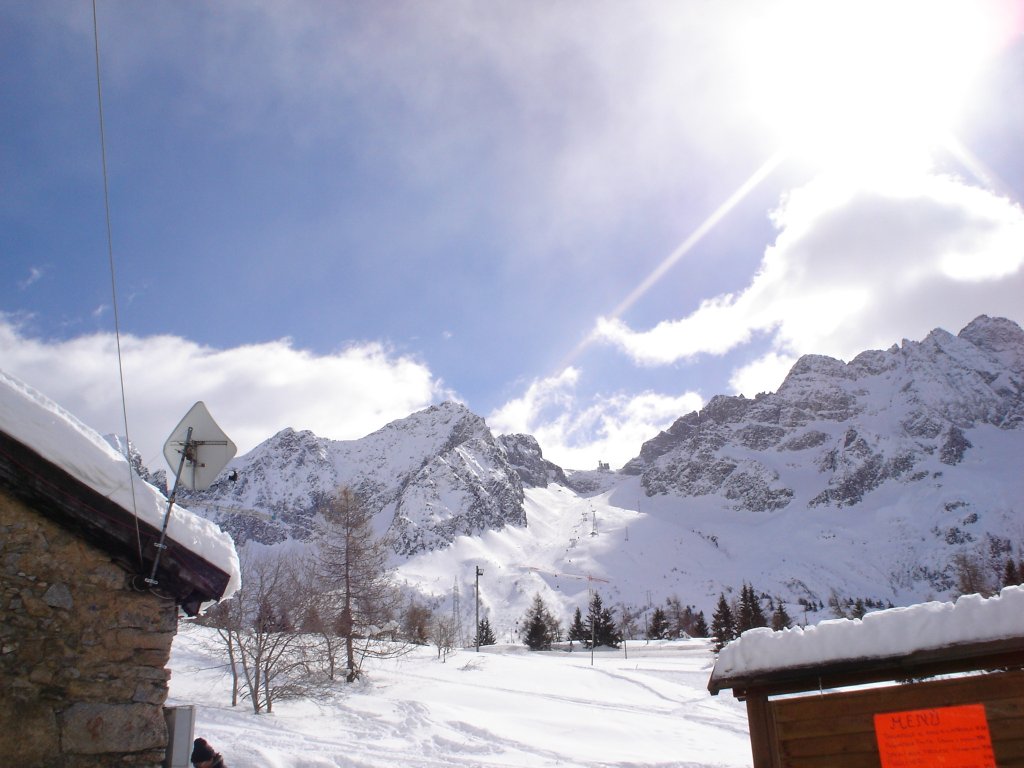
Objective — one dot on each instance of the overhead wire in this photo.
(113, 279)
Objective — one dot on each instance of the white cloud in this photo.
(857, 267)
(252, 391)
(577, 435)
(715, 327)
(765, 374)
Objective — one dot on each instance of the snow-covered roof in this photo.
(894, 633)
(35, 421)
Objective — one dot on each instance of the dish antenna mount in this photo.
(200, 449)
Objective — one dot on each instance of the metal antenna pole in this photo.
(479, 573)
(186, 449)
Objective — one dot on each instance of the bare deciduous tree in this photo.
(269, 658)
(972, 575)
(443, 634)
(361, 602)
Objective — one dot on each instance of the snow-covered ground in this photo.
(505, 706)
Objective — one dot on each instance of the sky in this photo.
(583, 220)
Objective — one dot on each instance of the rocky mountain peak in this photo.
(998, 337)
(434, 475)
(894, 415)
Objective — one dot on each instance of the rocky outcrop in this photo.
(525, 457)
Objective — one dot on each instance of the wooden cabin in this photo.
(939, 684)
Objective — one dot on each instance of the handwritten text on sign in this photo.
(950, 737)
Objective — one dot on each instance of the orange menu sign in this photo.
(944, 737)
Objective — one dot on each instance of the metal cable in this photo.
(113, 281)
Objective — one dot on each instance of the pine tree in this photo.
(600, 624)
(751, 614)
(757, 617)
(700, 626)
(1011, 576)
(607, 631)
(538, 626)
(781, 618)
(723, 626)
(484, 634)
(577, 630)
(658, 629)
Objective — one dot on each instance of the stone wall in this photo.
(83, 657)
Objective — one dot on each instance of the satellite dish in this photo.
(198, 448)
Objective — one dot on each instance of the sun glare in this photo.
(863, 86)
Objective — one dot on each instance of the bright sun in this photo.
(865, 85)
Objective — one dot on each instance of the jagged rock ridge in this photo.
(896, 415)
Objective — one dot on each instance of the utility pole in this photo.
(479, 573)
(460, 639)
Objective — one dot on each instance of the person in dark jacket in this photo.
(203, 755)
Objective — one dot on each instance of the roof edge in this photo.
(61, 497)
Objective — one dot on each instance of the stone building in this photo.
(84, 640)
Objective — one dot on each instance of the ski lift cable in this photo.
(113, 279)
(588, 577)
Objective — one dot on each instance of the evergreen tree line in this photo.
(854, 607)
(984, 571)
(608, 626)
(747, 611)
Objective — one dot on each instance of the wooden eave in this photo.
(56, 494)
(967, 657)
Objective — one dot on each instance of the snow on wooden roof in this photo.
(973, 624)
(34, 421)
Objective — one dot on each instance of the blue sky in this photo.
(582, 220)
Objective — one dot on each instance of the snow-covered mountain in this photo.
(430, 477)
(865, 479)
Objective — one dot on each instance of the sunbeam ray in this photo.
(683, 248)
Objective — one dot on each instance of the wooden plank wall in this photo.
(836, 730)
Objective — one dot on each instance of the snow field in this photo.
(502, 707)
